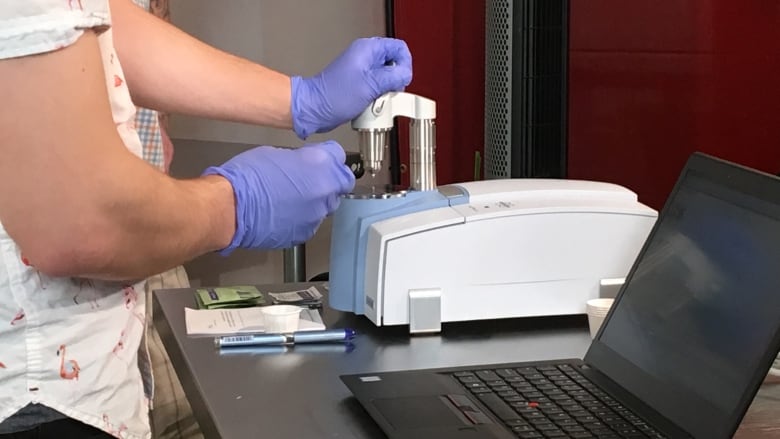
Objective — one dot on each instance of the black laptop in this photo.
(682, 353)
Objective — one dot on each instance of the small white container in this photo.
(281, 319)
(597, 309)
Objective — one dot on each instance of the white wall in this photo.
(292, 36)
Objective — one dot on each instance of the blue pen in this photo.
(307, 349)
(323, 336)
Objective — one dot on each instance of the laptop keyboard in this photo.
(554, 401)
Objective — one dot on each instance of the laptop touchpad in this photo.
(417, 412)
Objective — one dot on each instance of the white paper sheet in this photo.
(228, 321)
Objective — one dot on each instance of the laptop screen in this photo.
(701, 307)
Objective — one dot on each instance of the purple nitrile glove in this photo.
(369, 68)
(282, 195)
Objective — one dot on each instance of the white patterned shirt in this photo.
(71, 344)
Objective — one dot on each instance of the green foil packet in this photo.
(229, 297)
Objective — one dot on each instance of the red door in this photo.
(649, 85)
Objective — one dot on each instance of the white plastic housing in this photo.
(519, 248)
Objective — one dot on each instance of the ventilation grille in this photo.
(525, 91)
(498, 88)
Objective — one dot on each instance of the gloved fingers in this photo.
(333, 202)
(346, 178)
(392, 78)
(393, 71)
(304, 231)
(334, 149)
(392, 52)
(329, 154)
(282, 195)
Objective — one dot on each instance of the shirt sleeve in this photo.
(29, 27)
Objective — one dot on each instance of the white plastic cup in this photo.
(775, 370)
(597, 309)
(281, 319)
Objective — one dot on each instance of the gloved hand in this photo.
(282, 195)
(369, 68)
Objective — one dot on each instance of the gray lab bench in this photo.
(298, 394)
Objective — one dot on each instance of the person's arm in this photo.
(72, 196)
(171, 71)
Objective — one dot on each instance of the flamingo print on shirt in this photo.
(27, 263)
(69, 369)
(135, 322)
(110, 427)
(120, 344)
(131, 296)
(18, 317)
(52, 317)
(86, 287)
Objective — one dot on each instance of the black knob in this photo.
(355, 163)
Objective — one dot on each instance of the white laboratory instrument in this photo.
(477, 250)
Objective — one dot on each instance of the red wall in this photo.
(447, 41)
(650, 82)
(649, 85)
